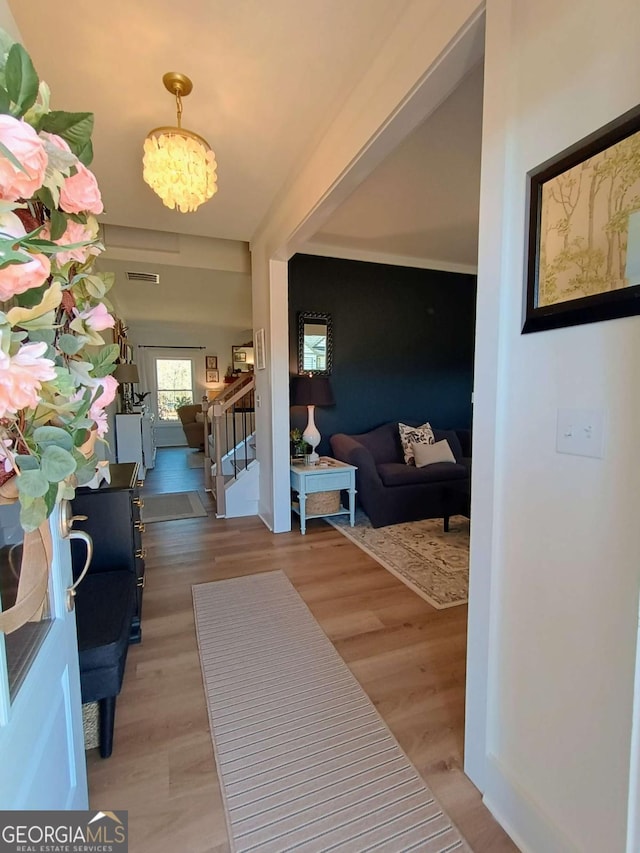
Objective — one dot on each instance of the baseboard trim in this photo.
(521, 818)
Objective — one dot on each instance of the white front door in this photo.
(42, 760)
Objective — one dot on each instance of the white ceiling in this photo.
(268, 77)
(421, 203)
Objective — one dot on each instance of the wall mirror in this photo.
(315, 343)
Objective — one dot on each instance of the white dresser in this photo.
(135, 440)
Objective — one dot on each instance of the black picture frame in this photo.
(211, 362)
(212, 376)
(573, 186)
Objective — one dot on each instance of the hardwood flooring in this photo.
(408, 657)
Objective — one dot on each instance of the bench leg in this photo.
(107, 720)
(445, 523)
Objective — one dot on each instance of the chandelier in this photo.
(178, 164)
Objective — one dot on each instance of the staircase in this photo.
(231, 467)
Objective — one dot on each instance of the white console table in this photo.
(329, 475)
(135, 440)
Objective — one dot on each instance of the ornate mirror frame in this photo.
(311, 318)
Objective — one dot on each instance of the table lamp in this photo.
(311, 391)
(126, 375)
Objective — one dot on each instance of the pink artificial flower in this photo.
(97, 413)
(75, 233)
(16, 278)
(80, 193)
(26, 146)
(97, 318)
(21, 377)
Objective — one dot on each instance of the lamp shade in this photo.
(126, 374)
(311, 391)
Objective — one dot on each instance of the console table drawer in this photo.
(327, 482)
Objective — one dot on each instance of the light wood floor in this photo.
(409, 658)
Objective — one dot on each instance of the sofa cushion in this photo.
(410, 435)
(430, 454)
(453, 441)
(383, 443)
(399, 474)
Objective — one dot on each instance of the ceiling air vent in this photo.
(150, 277)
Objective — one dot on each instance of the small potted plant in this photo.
(298, 445)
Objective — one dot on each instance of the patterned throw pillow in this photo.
(414, 435)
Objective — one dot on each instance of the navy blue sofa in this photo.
(391, 491)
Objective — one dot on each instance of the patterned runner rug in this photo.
(172, 506)
(305, 761)
(431, 562)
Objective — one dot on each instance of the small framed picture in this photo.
(212, 364)
(212, 375)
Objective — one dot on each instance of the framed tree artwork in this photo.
(583, 259)
(211, 362)
(212, 376)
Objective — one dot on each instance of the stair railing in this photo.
(232, 416)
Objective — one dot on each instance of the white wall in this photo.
(215, 340)
(563, 569)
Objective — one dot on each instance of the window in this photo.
(174, 381)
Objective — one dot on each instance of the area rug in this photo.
(304, 760)
(431, 562)
(195, 460)
(172, 506)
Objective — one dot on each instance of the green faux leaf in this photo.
(5, 102)
(9, 255)
(33, 483)
(32, 297)
(32, 513)
(57, 463)
(80, 437)
(95, 286)
(27, 462)
(21, 79)
(44, 195)
(50, 497)
(86, 468)
(70, 344)
(74, 128)
(47, 436)
(48, 336)
(58, 224)
(85, 153)
(103, 360)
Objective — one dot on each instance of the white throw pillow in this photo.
(428, 454)
(414, 435)
(200, 417)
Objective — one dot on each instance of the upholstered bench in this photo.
(105, 603)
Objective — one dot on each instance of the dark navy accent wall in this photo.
(403, 342)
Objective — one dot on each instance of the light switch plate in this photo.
(581, 432)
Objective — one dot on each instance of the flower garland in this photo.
(55, 369)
